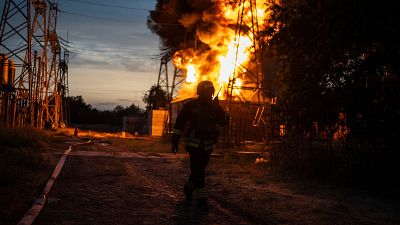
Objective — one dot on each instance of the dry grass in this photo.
(25, 165)
(21, 149)
(267, 197)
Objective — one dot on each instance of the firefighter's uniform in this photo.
(204, 116)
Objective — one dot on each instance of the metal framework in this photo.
(162, 80)
(36, 95)
(171, 89)
(178, 77)
(250, 91)
(177, 80)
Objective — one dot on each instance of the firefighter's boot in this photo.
(202, 204)
(201, 195)
(188, 189)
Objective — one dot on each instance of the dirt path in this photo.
(128, 184)
(108, 188)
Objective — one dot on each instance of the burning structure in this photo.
(220, 41)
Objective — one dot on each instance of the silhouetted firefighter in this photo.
(203, 115)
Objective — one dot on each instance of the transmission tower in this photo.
(16, 40)
(177, 80)
(179, 75)
(54, 84)
(162, 80)
(250, 89)
(40, 70)
(28, 36)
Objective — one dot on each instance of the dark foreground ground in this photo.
(123, 183)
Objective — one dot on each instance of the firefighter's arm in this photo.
(222, 117)
(181, 120)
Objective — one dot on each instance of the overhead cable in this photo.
(95, 17)
(108, 5)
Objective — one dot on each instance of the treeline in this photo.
(338, 57)
(83, 113)
(338, 73)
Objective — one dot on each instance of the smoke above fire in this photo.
(203, 36)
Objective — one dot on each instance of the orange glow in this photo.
(226, 52)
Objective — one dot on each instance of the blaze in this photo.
(227, 49)
(191, 75)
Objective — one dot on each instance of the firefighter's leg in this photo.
(199, 162)
(190, 183)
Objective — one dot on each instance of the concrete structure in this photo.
(157, 121)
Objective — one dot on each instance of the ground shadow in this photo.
(187, 213)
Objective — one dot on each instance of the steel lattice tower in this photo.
(28, 36)
(16, 40)
(162, 80)
(178, 77)
(250, 92)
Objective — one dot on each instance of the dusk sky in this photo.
(113, 60)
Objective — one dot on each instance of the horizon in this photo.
(114, 57)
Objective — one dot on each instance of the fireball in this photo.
(229, 52)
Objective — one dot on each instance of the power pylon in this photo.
(54, 84)
(28, 36)
(39, 80)
(16, 40)
(177, 80)
(162, 80)
(178, 77)
(250, 89)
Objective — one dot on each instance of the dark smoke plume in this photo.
(176, 21)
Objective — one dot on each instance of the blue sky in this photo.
(114, 55)
(113, 59)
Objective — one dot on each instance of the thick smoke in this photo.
(204, 39)
(176, 22)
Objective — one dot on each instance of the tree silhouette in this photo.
(83, 113)
(339, 56)
(155, 98)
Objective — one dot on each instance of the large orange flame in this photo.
(228, 49)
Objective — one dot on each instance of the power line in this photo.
(131, 56)
(116, 6)
(117, 50)
(62, 39)
(114, 19)
(112, 6)
(106, 49)
(95, 17)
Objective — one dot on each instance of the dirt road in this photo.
(109, 188)
(131, 183)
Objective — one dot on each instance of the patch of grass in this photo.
(25, 165)
(21, 149)
(21, 137)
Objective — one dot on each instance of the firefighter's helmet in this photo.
(205, 88)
